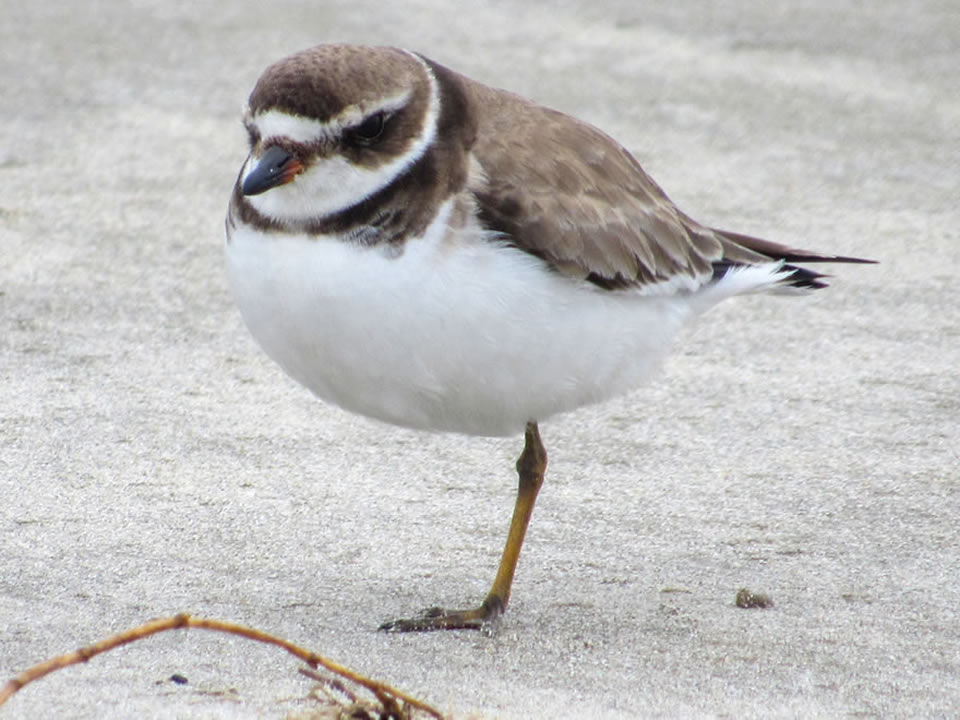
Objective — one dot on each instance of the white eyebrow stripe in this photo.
(300, 129)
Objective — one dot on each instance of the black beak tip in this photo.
(251, 186)
(272, 169)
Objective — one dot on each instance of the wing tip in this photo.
(776, 251)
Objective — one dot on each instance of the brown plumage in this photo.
(563, 190)
(550, 184)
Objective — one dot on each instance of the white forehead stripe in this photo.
(299, 129)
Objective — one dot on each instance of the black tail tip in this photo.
(804, 279)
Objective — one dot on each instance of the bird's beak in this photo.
(275, 167)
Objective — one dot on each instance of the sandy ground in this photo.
(152, 460)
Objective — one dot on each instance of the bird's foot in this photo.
(483, 618)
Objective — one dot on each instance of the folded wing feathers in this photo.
(584, 204)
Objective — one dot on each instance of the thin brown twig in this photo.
(387, 695)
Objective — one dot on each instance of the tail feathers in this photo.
(740, 250)
(791, 275)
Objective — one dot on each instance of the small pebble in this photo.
(748, 599)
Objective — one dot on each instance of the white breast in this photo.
(453, 333)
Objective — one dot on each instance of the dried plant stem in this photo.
(387, 695)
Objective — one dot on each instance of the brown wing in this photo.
(561, 189)
(566, 192)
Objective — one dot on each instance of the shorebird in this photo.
(423, 249)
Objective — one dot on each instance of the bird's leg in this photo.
(530, 469)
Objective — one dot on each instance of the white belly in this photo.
(467, 336)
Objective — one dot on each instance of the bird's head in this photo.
(331, 126)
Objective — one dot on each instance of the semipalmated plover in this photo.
(425, 250)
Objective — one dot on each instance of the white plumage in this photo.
(459, 332)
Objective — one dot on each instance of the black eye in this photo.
(369, 131)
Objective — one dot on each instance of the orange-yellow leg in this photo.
(530, 469)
